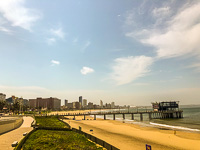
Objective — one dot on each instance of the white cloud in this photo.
(86, 70)
(178, 35)
(86, 45)
(51, 41)
(163, 11)
(128, 69)
(17, 14)
(55, 62)
(5, 30)
(196, 66)
(181, 36)
(75, 40)
(58, 33)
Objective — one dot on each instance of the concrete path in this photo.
(15, 135)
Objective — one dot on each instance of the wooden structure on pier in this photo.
(165, 105)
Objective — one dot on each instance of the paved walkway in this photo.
(15, 135)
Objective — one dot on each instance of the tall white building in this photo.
(84, 102)
(2, 97)
(113, 105)
(101, 103)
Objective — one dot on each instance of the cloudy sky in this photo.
(131, 52)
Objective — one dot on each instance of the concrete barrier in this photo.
(10, 124)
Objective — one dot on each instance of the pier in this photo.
(151, 114)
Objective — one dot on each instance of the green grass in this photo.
(54, 140)
(49, 121)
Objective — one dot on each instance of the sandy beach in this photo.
(129, 136)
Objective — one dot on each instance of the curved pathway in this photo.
(15, 135)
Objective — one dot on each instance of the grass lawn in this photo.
(49, 121)
(54, 140)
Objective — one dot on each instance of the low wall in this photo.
(10, 124)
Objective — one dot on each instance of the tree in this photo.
(2, 104)
(16, 107)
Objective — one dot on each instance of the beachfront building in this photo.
(2, 97)
(90, 105)
(66, 102)
(165, 105)
(101, 104)
(113, 105)
(76, 105)
(107, 105)
(84, 103)
(45, 103)
(69, 105)
(80, 100)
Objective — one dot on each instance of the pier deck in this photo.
(151, 114)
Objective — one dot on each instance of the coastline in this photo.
(132, 136)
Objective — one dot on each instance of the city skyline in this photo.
(130, 52)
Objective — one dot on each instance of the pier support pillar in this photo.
(104, 117)
(113, 116)
(84, 117)
(123, 116)
(141, 117)
(74, 118)
(149, 116)
(94, 117)
(132, 116)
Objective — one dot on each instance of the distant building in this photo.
(2, 97)
(69, 105)
(108, 105)
(84, 103)
(11, 100)
(48, 103)
(66, 102)
(101, 103)
(76, 105)
(90, 105)
(113, 105)
(80, 100)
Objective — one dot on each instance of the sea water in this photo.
(189, 122)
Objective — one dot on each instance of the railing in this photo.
(115, 112)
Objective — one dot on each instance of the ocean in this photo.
(189, 122)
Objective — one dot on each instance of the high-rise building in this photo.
(76, 105)
(49, 103)
(112, 104)
(101, 104)
(80, 100)
(90, 105)
(84, 103)
(66, 102)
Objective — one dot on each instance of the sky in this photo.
(130, 52)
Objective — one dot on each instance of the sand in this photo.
(129, 136)
(8, 138)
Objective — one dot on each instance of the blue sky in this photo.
(131, 52)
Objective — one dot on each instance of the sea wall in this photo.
(10, 124)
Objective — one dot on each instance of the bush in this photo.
(49, 121)
(53, 140)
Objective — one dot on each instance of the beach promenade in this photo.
(8, 138)
(128, 136)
